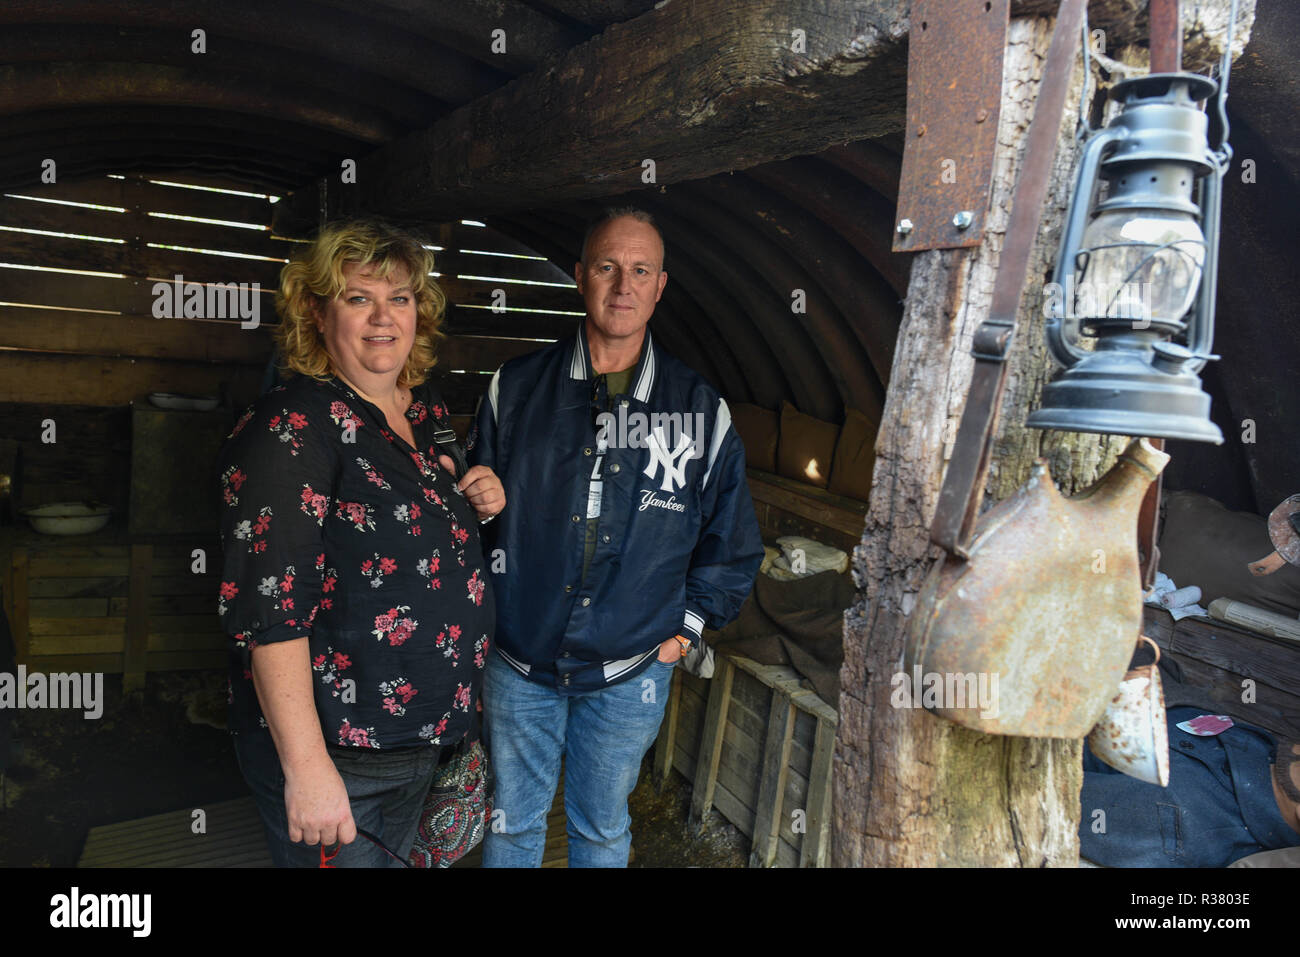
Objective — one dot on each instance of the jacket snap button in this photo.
(576, 518)
(606, 538)
(586, 451)
(586, 602)
(568, 588)
(614, 467)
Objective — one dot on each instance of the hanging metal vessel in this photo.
(1043, 613)
(1133, 735)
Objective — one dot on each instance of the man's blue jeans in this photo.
(602, 737)
(385, 788)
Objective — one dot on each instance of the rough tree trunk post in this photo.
(912, 789)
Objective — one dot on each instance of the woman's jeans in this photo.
(602, 737)
(385, 788)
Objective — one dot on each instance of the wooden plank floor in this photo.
(234, 838)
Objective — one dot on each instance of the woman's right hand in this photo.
(317, 805)
(315, 800)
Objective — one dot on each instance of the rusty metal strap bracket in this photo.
(954, 97)
(963, 485)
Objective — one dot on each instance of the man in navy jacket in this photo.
(629, 529)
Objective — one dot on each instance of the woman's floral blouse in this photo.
(334, 528)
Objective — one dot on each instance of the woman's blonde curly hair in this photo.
(312, 282)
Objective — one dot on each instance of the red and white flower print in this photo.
(228, 592)
(330, 666)
(361, 515)
(253, 531)
(475, 586)
(480, 651)
(428, 567)
(231, 481)
(287, 426)
(243, 421)
(459, 536)
(314, 503)
(408, 515)
(418, 412)
(391, 625)
(446, 640)
(433, 732)
(461, 700)
(376, 568)
(359, 737)
(344, 416)
(328, 584)
(425, 466)
(279, 588)
(397, 694)
(373, 475)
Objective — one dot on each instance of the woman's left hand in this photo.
(481, 486)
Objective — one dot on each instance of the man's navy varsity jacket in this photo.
(677, 544)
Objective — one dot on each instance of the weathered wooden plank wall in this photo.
(108, 606)
(78, 266)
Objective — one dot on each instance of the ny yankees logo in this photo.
(674, 462)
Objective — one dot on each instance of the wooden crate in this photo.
(758, 747)
(106, 602)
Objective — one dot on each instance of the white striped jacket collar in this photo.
(643, 377)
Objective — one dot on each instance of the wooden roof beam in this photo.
(656, 88)
(652, 88)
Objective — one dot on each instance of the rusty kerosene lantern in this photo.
(1134, 264)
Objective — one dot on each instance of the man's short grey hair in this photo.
(618, 212)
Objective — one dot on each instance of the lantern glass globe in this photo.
(1139, 264)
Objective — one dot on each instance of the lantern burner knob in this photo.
(1169, 357)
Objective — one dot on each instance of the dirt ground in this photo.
(166, 748)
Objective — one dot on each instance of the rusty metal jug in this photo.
(1038, 624)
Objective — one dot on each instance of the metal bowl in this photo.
(68, 518)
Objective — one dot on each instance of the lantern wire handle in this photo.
(1082, 127)
(1220, 112)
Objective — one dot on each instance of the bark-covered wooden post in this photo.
(912, 788)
